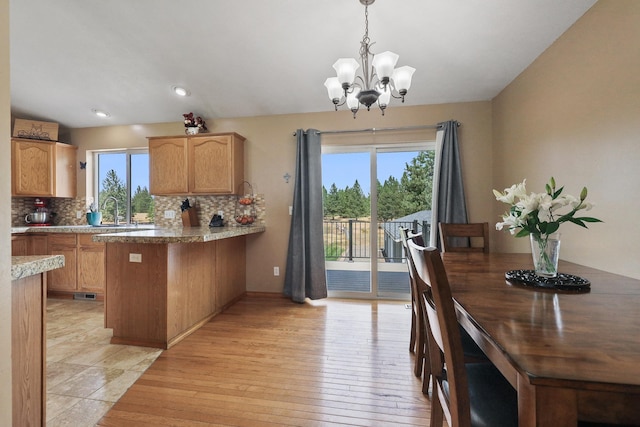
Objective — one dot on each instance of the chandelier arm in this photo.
(351, 88)
(401, 94)
(339, 104)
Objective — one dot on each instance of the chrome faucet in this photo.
(115, 214)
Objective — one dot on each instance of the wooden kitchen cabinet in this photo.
(28, 348)
(42, 168)
(200, 164)
(178, 287)
(84, 269)
(168, 166)
(65, 278)
(91, 264)
(230, 271)
(216, 163)
(26, 244)
(19, 245)
(37, 244)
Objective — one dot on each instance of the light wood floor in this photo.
(271, 362)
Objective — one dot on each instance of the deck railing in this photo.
(348, 240)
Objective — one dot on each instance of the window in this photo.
(123, 176)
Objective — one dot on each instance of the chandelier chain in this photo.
(366, 24)
(365, 51)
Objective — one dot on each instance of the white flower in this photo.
(545, 202)
(567, 200)
(530, 203)
(588, 205)
(510, 194)
(511, 221)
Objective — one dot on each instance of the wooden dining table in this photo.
(570, 356)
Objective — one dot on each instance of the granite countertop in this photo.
(181, 235)
(24, 266)
(89, 229)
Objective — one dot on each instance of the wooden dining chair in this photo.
(419, 332)
(452, 234)
(467, 395)
(417, 342)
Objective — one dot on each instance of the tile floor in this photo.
(85, 374)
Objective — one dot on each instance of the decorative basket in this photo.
(32, 129)
(245, 209)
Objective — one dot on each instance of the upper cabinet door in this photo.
(168, 166)
(215, 164)
(65, 170)
(31, 168)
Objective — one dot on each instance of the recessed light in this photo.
(181, 91)
(101, 113)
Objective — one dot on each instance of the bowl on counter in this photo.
(37, 218)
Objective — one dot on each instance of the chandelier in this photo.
(376, 85)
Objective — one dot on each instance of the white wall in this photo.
(575, 114)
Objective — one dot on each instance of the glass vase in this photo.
(545, 249)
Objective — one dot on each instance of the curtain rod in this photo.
(374, 130)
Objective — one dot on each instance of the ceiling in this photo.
(259, 57)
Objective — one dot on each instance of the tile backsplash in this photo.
(206, 206)
(66, 209)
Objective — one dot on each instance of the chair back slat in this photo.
(463, 237)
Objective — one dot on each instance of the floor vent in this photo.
(85, 295)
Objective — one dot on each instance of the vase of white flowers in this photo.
(538, 215)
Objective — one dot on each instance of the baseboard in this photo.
(265, 295)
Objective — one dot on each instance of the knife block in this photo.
(190, 218)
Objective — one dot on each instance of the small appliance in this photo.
(41, 215)
(216, 221)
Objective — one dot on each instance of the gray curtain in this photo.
(305, 274)
(451, 201)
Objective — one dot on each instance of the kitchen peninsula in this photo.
(163, 284)
(28, 336)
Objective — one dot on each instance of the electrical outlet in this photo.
(135, 257)
(78, 214)
(169, 214)
(220, 213)
(290, 210)
(276, 271)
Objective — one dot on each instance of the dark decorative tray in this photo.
(563, 282)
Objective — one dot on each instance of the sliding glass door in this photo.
(364, 257)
